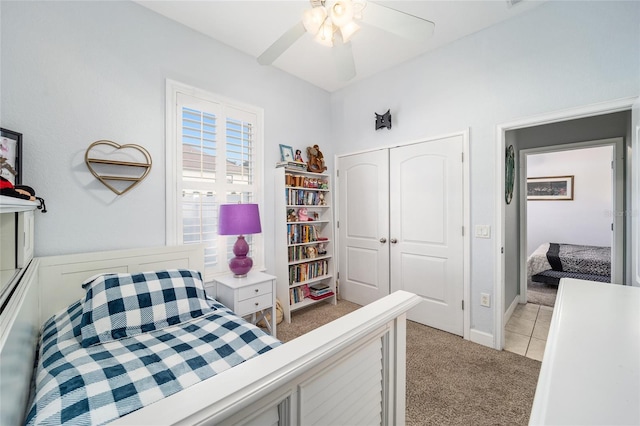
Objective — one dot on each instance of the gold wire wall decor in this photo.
(113, 165)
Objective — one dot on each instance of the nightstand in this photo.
(252, 295)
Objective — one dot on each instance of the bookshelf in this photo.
(304, 239)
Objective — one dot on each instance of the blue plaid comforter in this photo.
(100, 383)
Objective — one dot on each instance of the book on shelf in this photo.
(304, 181)
(295, 165)
(319, 286)
(324, 296)
(298, 294)
(309, 270)
(319, 290)
(304, 197)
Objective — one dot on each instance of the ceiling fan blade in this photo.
(283, 43)
(343, 57)
(397, 22)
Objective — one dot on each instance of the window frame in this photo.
(173, 170)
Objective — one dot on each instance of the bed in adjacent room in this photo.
(117, 345)
(552, 261)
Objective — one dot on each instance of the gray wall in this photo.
(560, 55)
(77, 72)
(512, 228)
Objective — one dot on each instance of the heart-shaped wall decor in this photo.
(112, 162)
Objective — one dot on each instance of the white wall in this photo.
(587, 218)
(77, 72)
(558, 56)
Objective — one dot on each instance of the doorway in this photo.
(595, 171)
(601, 121)
(401, 219)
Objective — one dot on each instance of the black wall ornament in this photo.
(383, 120)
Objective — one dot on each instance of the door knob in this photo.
(383, 240)
(393, 241)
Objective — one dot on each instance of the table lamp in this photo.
(240, 220)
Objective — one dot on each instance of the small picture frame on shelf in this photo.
(286, 153)
(11, 156)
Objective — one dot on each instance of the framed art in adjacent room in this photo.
(550, 188)
(11, 156)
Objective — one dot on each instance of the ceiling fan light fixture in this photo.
(325, 35)
(342, 13)
(314, 18)
(348, 30)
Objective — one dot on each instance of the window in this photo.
(214, 156)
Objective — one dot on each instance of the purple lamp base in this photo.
(241, 264)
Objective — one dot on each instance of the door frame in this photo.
(466, 207)
(591, 110)
(617, 204)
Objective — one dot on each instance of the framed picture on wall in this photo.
(550, 188)
(11, 156)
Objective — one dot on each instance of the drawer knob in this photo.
(257, 290)
(257, 303)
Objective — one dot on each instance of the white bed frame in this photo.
(351, 371)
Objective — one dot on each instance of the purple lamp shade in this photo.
(240, 220)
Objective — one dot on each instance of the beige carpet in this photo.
(450, 381)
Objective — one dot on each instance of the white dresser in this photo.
(590, 372)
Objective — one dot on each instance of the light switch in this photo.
(483, 231)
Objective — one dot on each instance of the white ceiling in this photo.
(251, 27)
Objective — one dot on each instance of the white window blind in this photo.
(217, 150)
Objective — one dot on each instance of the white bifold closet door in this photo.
(401, 228)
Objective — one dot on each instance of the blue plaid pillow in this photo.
(120, 305)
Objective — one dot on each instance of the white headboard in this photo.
(61, 276)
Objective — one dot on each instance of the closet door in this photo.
(427, 244)
(363, 221)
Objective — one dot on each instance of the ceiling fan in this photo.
(334, 23)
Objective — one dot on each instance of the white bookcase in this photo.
(304, 249)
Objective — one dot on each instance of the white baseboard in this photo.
(512, 308)
(481, 338)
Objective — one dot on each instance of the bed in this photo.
(552, 261)
(351, 371)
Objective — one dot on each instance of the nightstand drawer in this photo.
(254, 290)
(254, 304)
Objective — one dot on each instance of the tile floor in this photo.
(527, 329)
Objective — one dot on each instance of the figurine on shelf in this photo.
(322, 250)
(311, 252)
(316, 160)
(298, 156)
(321, 201)
(302, 215)
(315, 215)
(291, 216)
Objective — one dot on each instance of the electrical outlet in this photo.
(485, 300)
